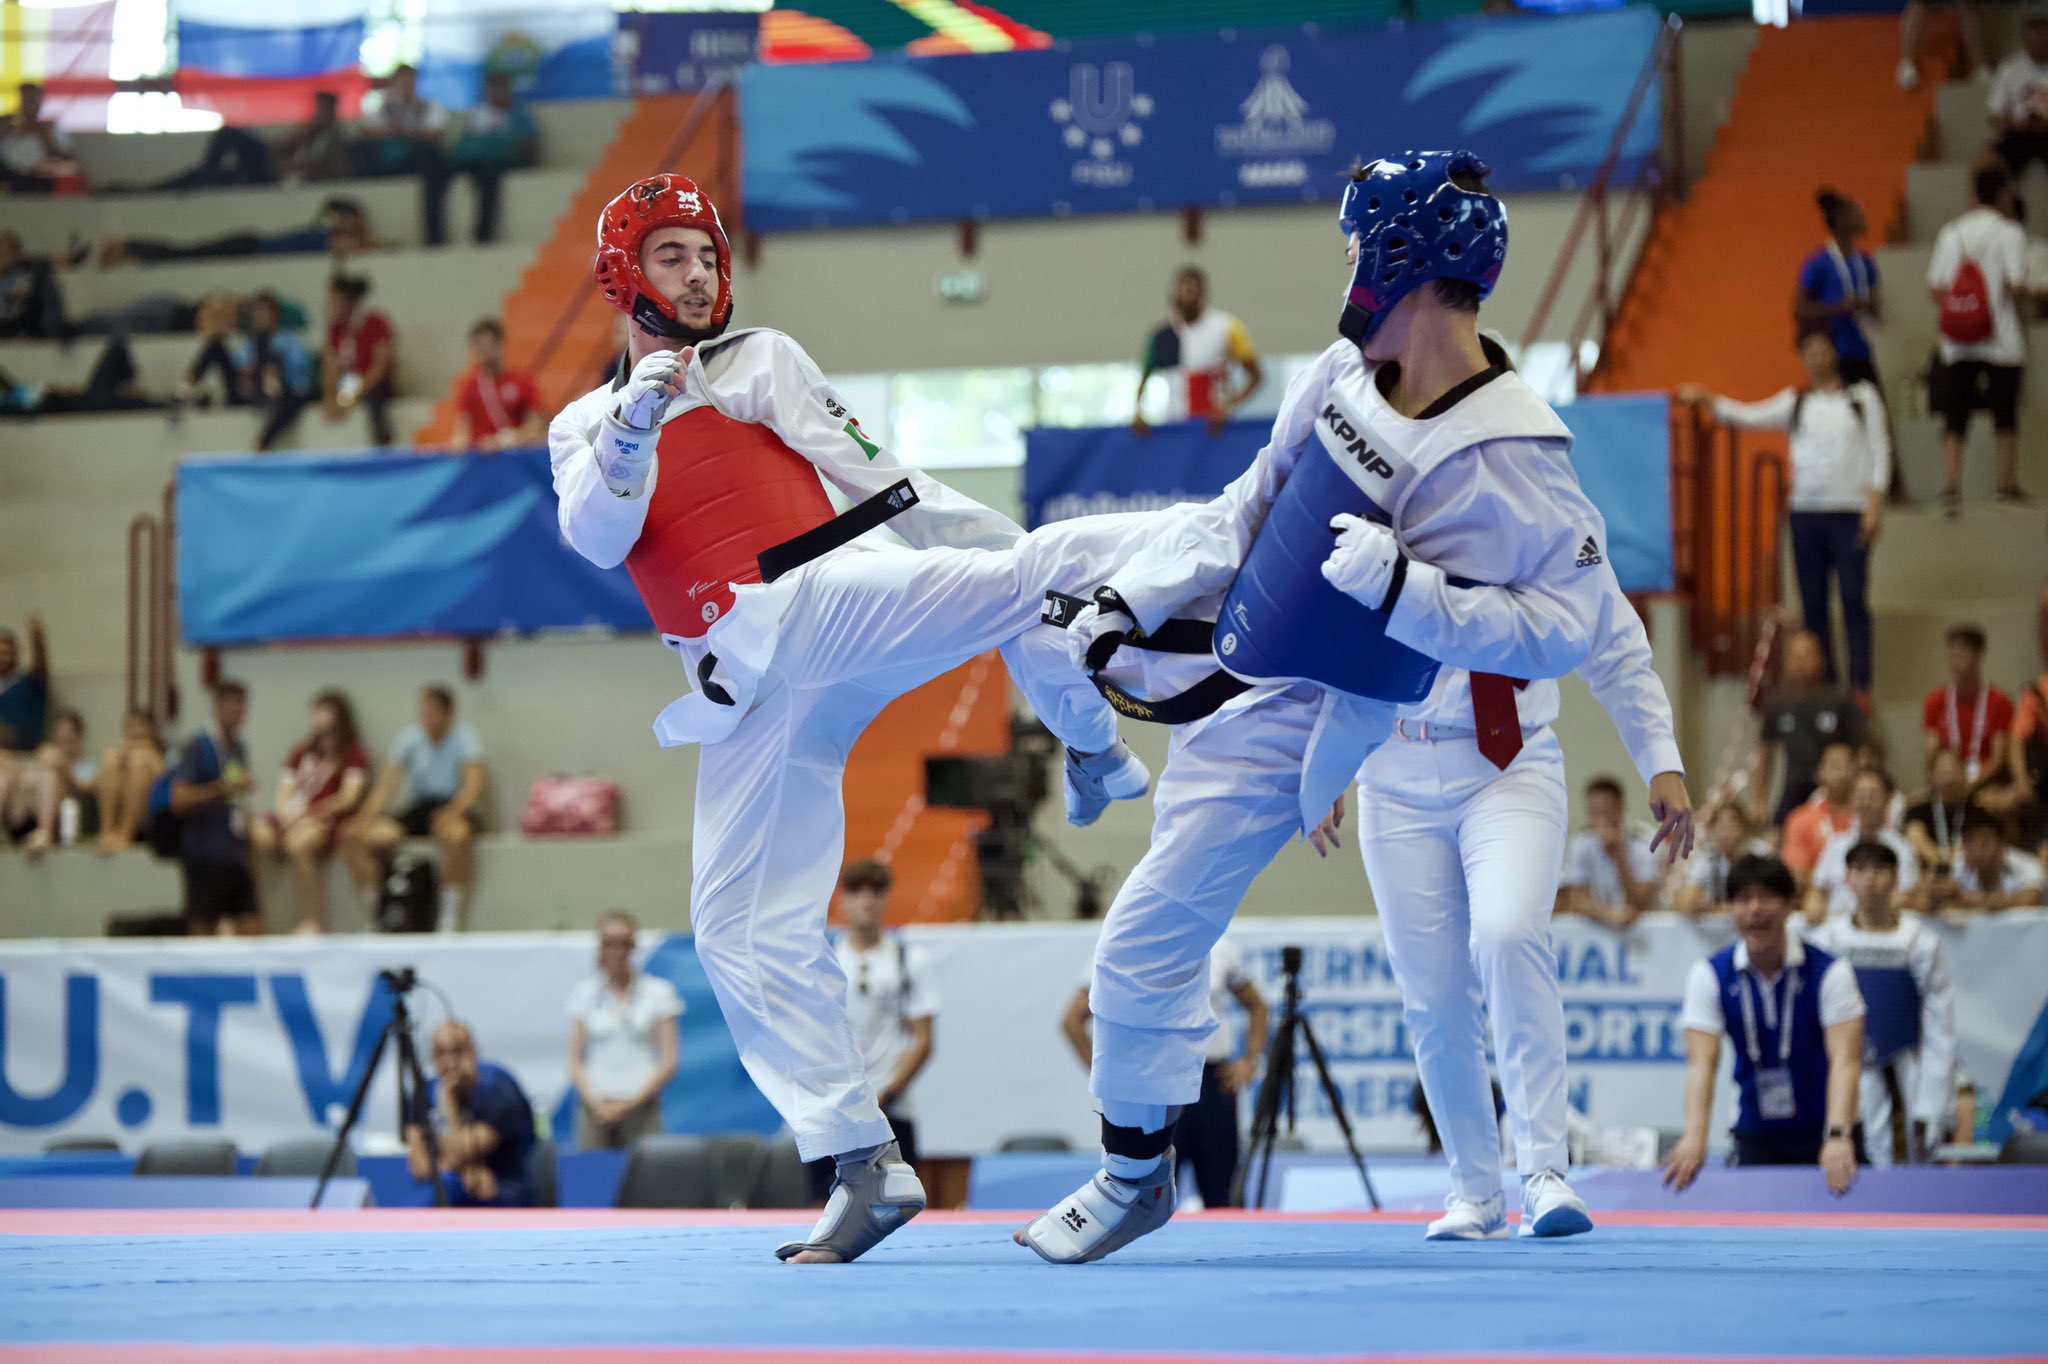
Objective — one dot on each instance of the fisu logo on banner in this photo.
(1101, 115)
(1276, 135)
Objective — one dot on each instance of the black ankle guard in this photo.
(1134, 1144)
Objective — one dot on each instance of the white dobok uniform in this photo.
(807, 662)
(1482, 491)
(1909, 1025)
(1463, 859)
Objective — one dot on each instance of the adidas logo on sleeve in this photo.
(1589, 553)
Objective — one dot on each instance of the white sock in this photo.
(451, 910)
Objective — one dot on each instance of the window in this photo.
(1087, 395)
(961, 417)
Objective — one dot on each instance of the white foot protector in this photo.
(1550, 1208)
(1471, 1219)
(1103, 1215)
(868, 1201)
(1094, 781)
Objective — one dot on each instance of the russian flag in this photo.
(245, 37)
(562, 51)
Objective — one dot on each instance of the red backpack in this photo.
(1966, 309)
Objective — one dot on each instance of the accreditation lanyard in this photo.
(1941, 829)
(1972, 761)
(1855, 275)
(1751, 986)
(494, 408)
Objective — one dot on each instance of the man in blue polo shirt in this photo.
(483, 1123)
(1838, 290)
(1796, 1020)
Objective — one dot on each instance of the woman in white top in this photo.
(1841, 466)
(622, 1042)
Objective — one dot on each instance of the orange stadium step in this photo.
(1711, 303)
(554, 322)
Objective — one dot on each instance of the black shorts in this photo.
(418, 818)
(1970, 386)
(216, 891)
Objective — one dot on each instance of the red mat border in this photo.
(540, 1354)
(270, 1221)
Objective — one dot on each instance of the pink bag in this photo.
(571, 805)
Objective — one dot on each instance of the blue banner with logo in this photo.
(1621, 449)
(685, 51)
(1247, 116)
(339, 548)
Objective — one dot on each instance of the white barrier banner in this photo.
(266, 1040)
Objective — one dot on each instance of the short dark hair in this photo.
(342, 204)
(1977, 819)
(1881, 775)
(1871, 853)
(1807, 334)
(487, 324)
(436, 691)
(1193, 272)
(1837, 743)
(227, 686)
(1604, 783)
(865, 873)
(1988, 183)
(1761, 871)
(350, 286)
(1831, 204)
(1972, 635)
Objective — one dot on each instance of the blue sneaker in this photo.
(1550, 1208)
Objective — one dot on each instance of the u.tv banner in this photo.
(1621, 449)
(1247, 116)
(339, 548)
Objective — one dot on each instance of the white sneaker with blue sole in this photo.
(1550, 1208)
(1471, 1219)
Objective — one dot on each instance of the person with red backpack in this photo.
(1977, 277)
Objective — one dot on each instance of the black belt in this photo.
(1198, 702)
(842, 529)
(815, 543)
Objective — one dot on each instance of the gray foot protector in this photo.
(1103, 1215)
(868, 1202)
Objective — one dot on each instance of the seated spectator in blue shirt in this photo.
(24, 692)
(1838, 290)
(441, 766)
(498, 135)
(1796, 1019)
(264, 367)
(483, 1125)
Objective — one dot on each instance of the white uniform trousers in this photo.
(1227, 803)
(770, 827)
(1464, 859)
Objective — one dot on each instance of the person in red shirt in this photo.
(323, 779)
(361, 356)
(1965, 713)
(1809, 828)
(500, 406)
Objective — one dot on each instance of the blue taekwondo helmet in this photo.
(1415, 225)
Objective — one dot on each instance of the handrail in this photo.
(572, 310)
(150, 686)
(1728, 503)
(1593, 204)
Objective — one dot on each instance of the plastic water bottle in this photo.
(67, 821)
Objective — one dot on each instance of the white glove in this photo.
(1098, 631)
(626, 438)
(1362, 564)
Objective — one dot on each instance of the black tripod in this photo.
(1276, 1091)
(412, 1086)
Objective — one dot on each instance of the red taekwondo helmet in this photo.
(658, 201)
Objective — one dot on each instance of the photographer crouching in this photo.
(482, 1122)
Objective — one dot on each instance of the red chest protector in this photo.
(725, 491)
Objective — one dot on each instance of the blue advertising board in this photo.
(673, 51)
(1247, 116)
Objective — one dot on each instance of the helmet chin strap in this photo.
(649, 317)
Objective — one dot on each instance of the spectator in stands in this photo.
(233, 157)
(401, 133)
(1968, 20)
(24, 692)
(1934, 826)
(623, 1044)
(265, 367)
(1838, 291)
(500, 407)
(315, 150)
(1796, 1019)
(60, 771)
(483, 1124)
(341, 229)
(1979, 267)
(1610, 875)
(1988, 874)
(1909, 1029)
(1966, 713)
(2028, 761)
(439, 766)
(321, 785)
(210, 781)
(1195, 349)
(321, 148)
(1829, 894)
(1703, 889)
(127, 772)
(1826, 814)
(1841, 467)
(1801, 715)
(361, 357)
(34, 153)
(2018, 104)
(498, 135)
(31, 304)
(112, 385)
